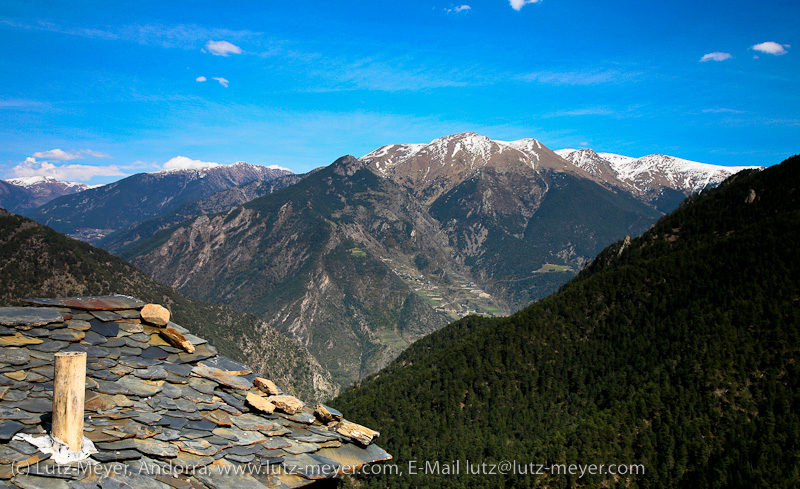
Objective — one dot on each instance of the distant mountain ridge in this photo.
(95, 213)
(659, 179)
(25, 193)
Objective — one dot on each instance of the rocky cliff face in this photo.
(310, 261)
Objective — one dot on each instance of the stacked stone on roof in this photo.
(163, 408)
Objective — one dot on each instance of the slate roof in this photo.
(153, 410)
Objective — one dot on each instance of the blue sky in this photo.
(94, 91)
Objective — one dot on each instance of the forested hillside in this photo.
(678, 350)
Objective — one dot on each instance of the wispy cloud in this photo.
(588, 77)
(184, 163)
(200, 79)
(95, 154)
(460, 8)
(722, 110)
(184, 36)
(222, 81)
(31, 167)
(599, 111)
(518, 4)
(57, 154)
(16, 103)
(222, 48)
(771, 47)
(716, 56)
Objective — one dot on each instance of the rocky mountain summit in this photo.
(26, 193)
(659, 179)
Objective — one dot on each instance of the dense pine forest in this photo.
(677, 350)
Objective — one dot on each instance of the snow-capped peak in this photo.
(28, 182)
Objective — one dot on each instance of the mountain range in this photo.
(363, 257)
(97, 212)
(25, 193)
(673, 356)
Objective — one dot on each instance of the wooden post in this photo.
(69, 392)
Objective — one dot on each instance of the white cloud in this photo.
(222, 48)
(716, 56)
(95, 154)
(460, 8)
(222, 81)
(770, 47)
(518, 4)
(71, 172)
(57, 154)
(184, 163)
(201, 79)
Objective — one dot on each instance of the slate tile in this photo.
(29, 316)
(37, 482)
(116, 455)
(110, 329)
(105, 315)
(101, 364)
(50, 346)
(94, 338)
(128, 313)
(202, 425)
(172, 422)
(78, 324)
(168, 434)
(232, 400)
(18, 339)
(140, 337)
(91, 351)
(139, 362)
(34, 405)
(131, 328)
(38, 332)
(244, 450)
(14, 395)
(9, 428)
(14, 356)
(170, 390)
(154, 352)
(179, 369)
(226, 364)
(148, 418)
(67, 334)
(156, 372)
(188, 461)
(114, 342)
(240, 458)
(202, 385)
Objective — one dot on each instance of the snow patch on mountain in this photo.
(29, 182)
